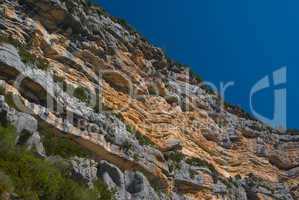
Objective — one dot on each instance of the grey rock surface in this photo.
(84, 169)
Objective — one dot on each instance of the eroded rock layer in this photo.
(154, 131)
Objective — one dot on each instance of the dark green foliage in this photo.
(126, 146)
(192, 173)
(253, 181)
(34, 178)
(81, 93)
(143, 140)
(101, 12)
(208, 89)
(195, 76)
(2, 90)
(101, 188)
(25, 55)
(9, 100)
(202, 163)
(135, 156)
(230, 182)
(237, 110)
(24, 136)
(29, 58)
(64, 147)
(175, 157)
(7, 137)
(6, 184)
(12, 100)
(130, 129)
(124, 24)
(10, 40)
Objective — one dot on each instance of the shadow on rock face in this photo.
(134, 182)
(106, 169)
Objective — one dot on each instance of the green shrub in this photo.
(237, 110)
(9, 99)
(101, 188)
(143, 140)
(28, 58)
(124, 24)
(64, 147)
(175, 156)
(130, 129)
(7, 137)
(81, 93)
(202, 163)
(126, 146)
(10, 40)
(34, 178)
(135, 156)
(75, 191)
(6, 184)
(175, 159)
(101, 12)
(2, 90)
(25, 55)
(24, 136)
(196, 76)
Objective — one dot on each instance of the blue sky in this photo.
(240, 41)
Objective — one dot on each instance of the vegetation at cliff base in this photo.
(34, 178)
(64, 147)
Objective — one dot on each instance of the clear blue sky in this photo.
(235, 40)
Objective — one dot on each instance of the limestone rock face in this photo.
(85, 169)
(172, 144)
(285, 156)
(154, 132)
(129, 185)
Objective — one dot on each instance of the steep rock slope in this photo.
(153, 131)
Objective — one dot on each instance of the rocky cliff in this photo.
(83, 88)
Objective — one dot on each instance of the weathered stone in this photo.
(286, 156)
(172, 144)
(78, 41)
(35, 141)
(84, 169)
(138, 186)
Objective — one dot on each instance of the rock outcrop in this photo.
(154, 132)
